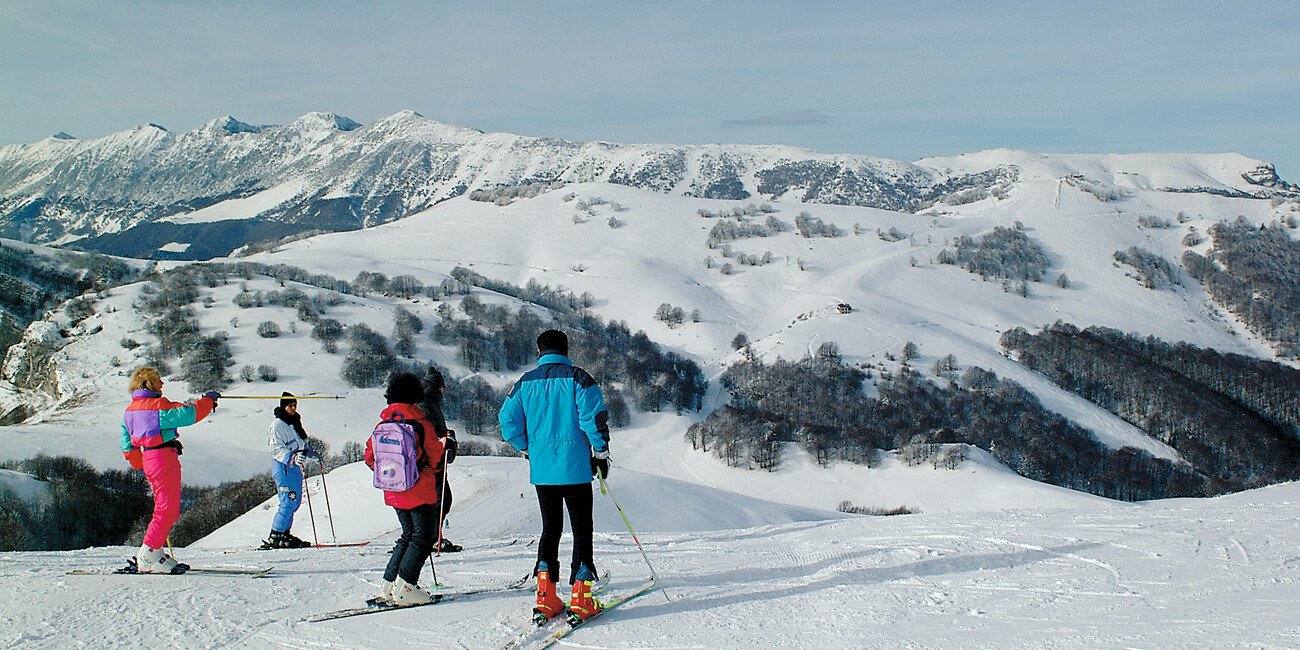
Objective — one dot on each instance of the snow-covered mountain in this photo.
(211, 190)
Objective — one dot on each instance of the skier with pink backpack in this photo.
(404, 452)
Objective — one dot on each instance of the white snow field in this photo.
(736, 571)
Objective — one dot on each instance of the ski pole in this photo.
(442, 496)
(329, 513)
(605, 490)
(314, 537)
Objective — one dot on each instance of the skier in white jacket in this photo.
(288, 443)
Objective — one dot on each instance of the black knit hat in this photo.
(287, 398)
(404, 388)
(433, 379)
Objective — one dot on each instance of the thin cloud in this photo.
(794, 118)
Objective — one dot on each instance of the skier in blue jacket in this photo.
(556, 415)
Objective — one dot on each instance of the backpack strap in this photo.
(423, 456)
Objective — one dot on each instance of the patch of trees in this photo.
(750, 210)
(31, 282)
(553, 298)
(472, 402)
(506, 194)
(309, 307)
(673, 315)
(328, 331)
(1254, 272)
(626, 364)
(165, 303)
(810, 226)
(1153, 271)
(1005, 253)
(728, 230)
(405, 326)
(1236, 419)
(1102, 191)
(80, 507)
(368, 360)
(818, 403)
(1153, 221)
(203, 367)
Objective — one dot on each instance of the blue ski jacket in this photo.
(557, 415)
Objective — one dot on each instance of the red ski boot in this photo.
(583, 605)
(548, 602)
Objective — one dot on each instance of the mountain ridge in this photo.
(129, 193)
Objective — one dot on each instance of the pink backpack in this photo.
(397, 446)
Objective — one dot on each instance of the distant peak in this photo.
(321, 120)
(228, 125)
(403, 116)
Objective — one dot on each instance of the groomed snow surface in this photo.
(737, 571)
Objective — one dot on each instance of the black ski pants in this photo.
(419, 533)
(554, 500)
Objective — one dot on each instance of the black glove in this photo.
(450, 443)
(600, 463)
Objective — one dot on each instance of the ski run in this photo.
(734, 572)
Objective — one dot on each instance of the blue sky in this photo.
(893, 79)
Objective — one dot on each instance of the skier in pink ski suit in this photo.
(149, 443)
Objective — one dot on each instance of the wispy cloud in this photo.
(793, 118)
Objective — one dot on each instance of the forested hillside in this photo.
(819, 403)
(1236, 419)
(32, 282)
(1255, 273)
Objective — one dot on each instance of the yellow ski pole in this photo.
(296, 397)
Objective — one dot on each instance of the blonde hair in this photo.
(143, 376)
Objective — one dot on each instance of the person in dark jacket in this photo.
(556, 415)
(433, 385)
(417, 507)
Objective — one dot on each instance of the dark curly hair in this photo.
(404, 388)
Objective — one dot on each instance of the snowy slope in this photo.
(1182, 573)
(657, 255)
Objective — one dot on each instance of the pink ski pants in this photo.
(163, 469)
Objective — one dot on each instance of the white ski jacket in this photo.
(283, 441)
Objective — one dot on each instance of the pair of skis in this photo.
(375, 605)
(130, 570)
(546, 635)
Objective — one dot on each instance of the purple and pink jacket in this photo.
(151, 419)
